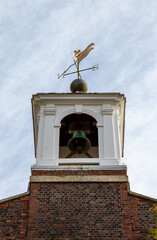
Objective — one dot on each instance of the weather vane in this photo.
(78, 56)
(79, 85)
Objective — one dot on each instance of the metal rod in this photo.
(69, 155)
(78, 70)
(76, 66)
(81, 70)
(65, 70)
(88, 155)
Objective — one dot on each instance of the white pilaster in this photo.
(46, 138)
(100, 141)
(108, 133)
(116, 136)
(56, 142)
(40, 135)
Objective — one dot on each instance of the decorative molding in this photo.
(49, 110)
(99, 125)
(72, 110)
(57, 125)
(38, 118)
(107, 111)
(95, 115)
(118, 112)
(112, 97)
(78, 109)
(65, 113)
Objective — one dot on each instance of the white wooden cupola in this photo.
(57, 115)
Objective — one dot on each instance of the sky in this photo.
(37, 38)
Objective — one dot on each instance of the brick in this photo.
(76, 210)
(14, 219)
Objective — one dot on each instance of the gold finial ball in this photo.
(78, 85)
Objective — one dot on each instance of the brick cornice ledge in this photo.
(75, 178)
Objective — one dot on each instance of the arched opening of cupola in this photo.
(78, 137)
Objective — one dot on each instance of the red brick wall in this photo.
(140, 216)
(97, 210)
(76, 210)
(79, 211)
(14, 218)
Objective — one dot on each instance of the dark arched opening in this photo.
(74, 122)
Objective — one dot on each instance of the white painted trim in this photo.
(78, 96)
(79, 167)
(78, 108)
(50, 109)
(85, 110)
(107, 110)
(78, 161)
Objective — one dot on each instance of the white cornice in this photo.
(112, 97)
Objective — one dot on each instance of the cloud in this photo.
(36, 43)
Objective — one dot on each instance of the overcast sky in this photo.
(36, 41)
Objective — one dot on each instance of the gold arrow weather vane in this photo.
(78, 56)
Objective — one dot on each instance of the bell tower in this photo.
(78, 129)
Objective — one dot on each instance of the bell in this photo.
(79, 143)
